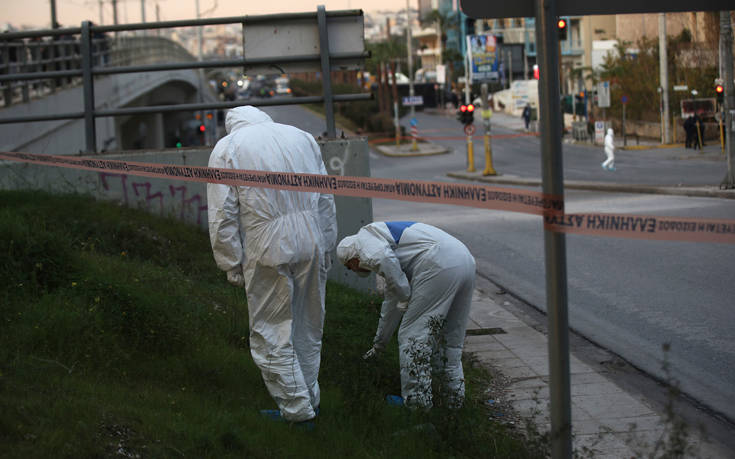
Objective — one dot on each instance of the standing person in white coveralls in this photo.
(609, 163)
(429, 278)
(275, 243)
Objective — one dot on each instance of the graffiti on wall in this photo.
(141, 193)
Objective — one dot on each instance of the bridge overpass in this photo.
(43, 96)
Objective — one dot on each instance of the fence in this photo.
(27, 71)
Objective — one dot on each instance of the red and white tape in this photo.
(496, 198)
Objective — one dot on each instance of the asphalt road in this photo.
(629, 296)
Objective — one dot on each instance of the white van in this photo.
(282, 86)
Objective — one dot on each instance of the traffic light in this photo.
(202, 128)
(719, 91)
(466, 114)
(561, 25)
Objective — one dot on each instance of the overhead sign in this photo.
(486, 9)
(483, 57)
(412, 100)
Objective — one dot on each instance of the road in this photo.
(628, 296)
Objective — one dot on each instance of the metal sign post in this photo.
(547, 40)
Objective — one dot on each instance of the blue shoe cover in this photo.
(394, 400)
(273, 415)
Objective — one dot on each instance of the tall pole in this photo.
(102, 17)
(664, 70)
(411, 93)
(142, 10)
(726, 72)
(54, 22)
(114, 12)
(547, 40)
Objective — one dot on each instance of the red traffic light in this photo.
(561, 23)
(470, 108)
(719, 89)
(462, 108)
(202, 128)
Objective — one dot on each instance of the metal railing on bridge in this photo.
(36, 63)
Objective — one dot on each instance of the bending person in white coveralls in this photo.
(429, 279)
(609, 163)
(275, 243)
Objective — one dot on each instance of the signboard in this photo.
(297, 35)
(412, 100)
(485, 9)
(603, 94)
(705, 108)
(682, 87)
(599, 131)
(441, 73)
(482, 52)
(469, 129)
(624, 99)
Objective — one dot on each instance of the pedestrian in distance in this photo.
(275, 243)
(429, 281)
(526, 115)
(699, 131)
(689, 132)
(609, 163)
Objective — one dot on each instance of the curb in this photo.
(425, 149)
(701, 191)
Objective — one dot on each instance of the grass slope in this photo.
(120, 338)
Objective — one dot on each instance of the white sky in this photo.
(71, 13)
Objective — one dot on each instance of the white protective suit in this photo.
(434, 274)
(609, 163)
(276, 244)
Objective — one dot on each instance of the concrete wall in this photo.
(187, 201)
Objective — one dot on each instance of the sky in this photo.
(71, 13)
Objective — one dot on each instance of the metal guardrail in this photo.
(72, 61)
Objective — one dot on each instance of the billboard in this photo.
(482, 52)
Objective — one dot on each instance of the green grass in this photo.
(119, 336)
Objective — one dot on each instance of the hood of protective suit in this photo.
(245, 116)
(609, 131)
(347, 249)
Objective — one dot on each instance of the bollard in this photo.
(470, 155)
(486, 115)
(489, 169)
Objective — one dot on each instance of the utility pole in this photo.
(142, 10)
(726, 73)
(102, 17)
(114, 12)
(54, 22)
(664, 71)
(411, 93)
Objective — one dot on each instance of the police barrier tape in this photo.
(508, 199)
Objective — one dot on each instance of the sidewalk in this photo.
(607, 421)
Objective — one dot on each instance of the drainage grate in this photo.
(485, 331)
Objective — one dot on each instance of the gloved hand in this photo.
(402, 306)
(375, 350)
(235, 277)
